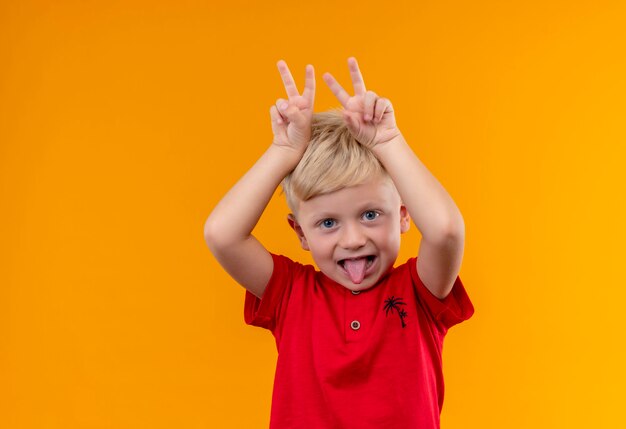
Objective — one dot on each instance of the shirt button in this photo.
(355, 325)
(356, 292)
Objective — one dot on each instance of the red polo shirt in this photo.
(365, 360)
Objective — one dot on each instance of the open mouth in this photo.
(369, 259)
(357, 268)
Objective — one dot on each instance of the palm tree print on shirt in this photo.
(392, 303)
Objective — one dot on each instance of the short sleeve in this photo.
(447, 312)
(263, 312)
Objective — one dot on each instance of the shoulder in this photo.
(287, 284)
(285, 266)
(402, 273)
(454, 308)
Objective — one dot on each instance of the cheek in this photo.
(319, 244)
(390, 235)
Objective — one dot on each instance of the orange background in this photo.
(122, 123)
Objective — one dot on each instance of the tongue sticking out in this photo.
(355, 269)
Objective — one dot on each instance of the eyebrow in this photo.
(369, 205)
(316, 217)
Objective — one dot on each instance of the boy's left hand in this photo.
(369, 118)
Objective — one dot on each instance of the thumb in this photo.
(351, 122)
(293, 114)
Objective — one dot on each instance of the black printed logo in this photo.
(394, 304)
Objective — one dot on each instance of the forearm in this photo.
(236, 215)
(432, 209)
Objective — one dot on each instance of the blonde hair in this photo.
(333, 160)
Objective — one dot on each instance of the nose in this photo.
(352, 236)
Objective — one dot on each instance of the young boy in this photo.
(359, 341)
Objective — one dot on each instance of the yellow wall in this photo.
(123, 122)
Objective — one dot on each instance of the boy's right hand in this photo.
(291, 119)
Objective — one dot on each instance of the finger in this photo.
(302, 103)
(281, 106)
(369, 100)
(293, 115)
(336, 89)
(309, 85)
(351, 122)
(357, 78)
(285, 74)
(382, 105)
(275, 116)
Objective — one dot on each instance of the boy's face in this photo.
(353, 233)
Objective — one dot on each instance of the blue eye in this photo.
(327, 223)
(370, 215)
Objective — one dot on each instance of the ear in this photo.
(293, 223)
(405, 219)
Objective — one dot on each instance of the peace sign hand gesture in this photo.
(369, 117)
(291, 119)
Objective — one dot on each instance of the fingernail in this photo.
(284, 106)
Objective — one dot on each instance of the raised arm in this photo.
(228, 229)
(371, 120)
